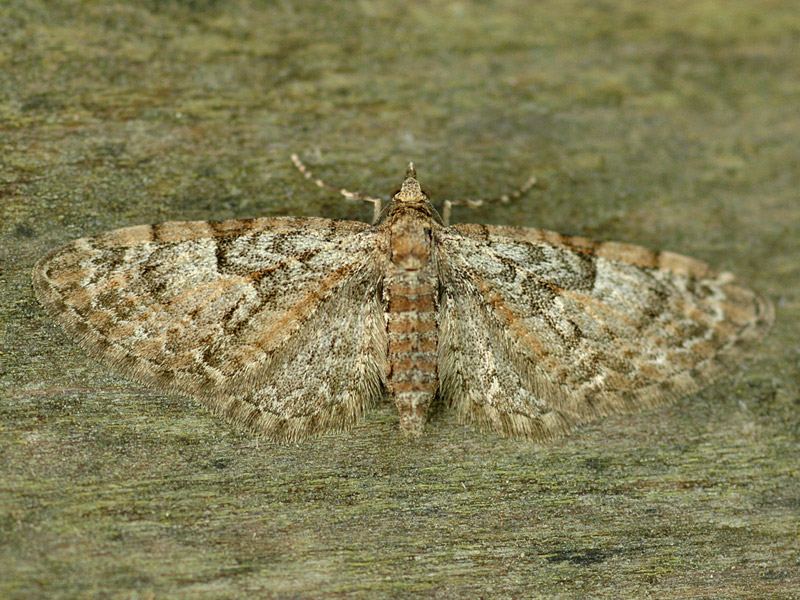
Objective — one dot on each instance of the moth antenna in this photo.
(306, 172)
(474, 203)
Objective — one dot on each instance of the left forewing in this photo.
(540, 331)
(275, 324)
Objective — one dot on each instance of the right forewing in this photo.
(539, 332)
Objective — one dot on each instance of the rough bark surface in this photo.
(672, 128)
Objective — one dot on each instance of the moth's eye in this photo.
(396, 191)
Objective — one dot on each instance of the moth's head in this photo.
(410, 191)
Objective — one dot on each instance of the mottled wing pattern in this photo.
(252, 317)
(541, 331)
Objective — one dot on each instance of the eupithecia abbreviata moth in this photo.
(292, 327)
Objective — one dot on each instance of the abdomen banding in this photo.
(411, 285)
(413, 339)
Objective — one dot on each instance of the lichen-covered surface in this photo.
(672, 125)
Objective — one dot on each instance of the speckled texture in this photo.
(668, 126)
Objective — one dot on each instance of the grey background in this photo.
(673, 124)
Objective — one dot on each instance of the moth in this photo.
(291, 327)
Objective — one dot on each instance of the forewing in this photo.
(273, 323)
(540, 331)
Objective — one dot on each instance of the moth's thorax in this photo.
(410, 219)
(410, 236)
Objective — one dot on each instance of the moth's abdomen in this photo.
(410, 290)
(413, 339)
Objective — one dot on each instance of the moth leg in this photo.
(504, 199)
(376, 202)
